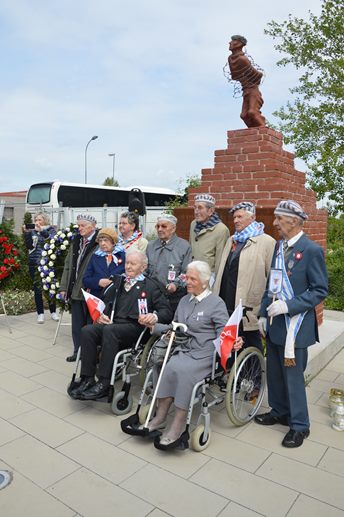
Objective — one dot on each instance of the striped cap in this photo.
(290, 209)
(244, 205)
(205, 198)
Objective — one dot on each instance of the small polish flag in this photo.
(224, 343)
(95, 305)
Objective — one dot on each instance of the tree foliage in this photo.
(110, 182)
(184, 184)
(313, 121)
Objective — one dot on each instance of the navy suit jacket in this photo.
(97, 268)
(307, 273)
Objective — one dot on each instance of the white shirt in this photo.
(291, 242)
(201, 296)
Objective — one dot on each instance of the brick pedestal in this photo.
(256, 168)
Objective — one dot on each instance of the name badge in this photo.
(275, 281)
(142, 302)
(171, 275)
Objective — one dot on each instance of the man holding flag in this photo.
(131, 303)
(290, 322)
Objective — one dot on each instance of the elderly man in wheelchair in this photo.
(132, 302)
(191, 364)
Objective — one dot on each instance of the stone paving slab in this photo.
(71, 459)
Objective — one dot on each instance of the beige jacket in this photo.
(254, 267)
(208, 244)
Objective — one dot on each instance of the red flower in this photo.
(143, 294)
(298, 256)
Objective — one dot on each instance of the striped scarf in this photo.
(212, 221)
(293, 323)
(252, 230)
(126, 243)
(117, 249)
(133, 281)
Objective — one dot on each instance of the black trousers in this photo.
(80, 318)
(111, 338)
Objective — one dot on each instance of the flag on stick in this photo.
(224, 343)
(95, 305)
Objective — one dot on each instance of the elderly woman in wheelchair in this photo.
(205, 316)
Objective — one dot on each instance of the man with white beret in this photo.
(168, 256)
(78, 257)
(244, 269)
(288, 319)
(208, 234)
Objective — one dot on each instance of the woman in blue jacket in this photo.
(34, 239)
(106, 261)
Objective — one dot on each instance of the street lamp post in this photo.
(88, 143)
(113, 155)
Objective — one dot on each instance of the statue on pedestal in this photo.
(249, 75)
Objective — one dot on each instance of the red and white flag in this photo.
(95, 305)
(224, 343)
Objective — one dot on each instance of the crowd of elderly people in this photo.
(198, 283)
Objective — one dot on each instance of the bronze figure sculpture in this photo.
(243, 71)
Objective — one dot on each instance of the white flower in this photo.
(50, 252)
(53, 256)
(52, 246)
(66, 242)
(51, 291)
(52, 241)
(44, 253)
(59, 232)
(57, 285)
(48, 279)
(53, 286)
(45, 287)
(50, 263)
(63, 247)
(63, 235)
(45, 268)
(51, 274)
(69, 234)
(42, 275)
(42, 262)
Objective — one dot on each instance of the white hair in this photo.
(202, 269)
(141, 254)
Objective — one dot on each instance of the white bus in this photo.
(64, 201)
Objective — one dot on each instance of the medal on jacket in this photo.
(290, 264)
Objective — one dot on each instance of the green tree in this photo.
(184, 184)
(313, 121)
(110, 182)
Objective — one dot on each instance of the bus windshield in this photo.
(39, 193)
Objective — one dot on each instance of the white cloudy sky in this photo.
(145, 76)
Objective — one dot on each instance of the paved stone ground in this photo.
(70, 458)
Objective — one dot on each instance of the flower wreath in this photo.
(52, 261)
(9, 260)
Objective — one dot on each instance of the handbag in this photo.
(159, 348)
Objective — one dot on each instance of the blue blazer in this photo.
(97, 268)
(307, 273)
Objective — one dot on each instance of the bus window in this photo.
(72, 196)
(157, 199)
(39, 194)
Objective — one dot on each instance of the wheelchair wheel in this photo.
(197, 442)
(144, 358)
(245, 386)
(121, 404)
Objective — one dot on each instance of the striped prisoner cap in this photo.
(244, 205)
(290, 209)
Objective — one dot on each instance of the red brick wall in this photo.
(256, 168)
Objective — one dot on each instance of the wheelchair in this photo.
(242, 391)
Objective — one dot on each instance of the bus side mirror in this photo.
(137, 202)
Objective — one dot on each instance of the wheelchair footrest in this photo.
(132, 426)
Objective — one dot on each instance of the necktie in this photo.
(109, 259)
(286, 250)
(163, 243)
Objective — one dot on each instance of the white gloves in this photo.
(276, 308)
(262, 326)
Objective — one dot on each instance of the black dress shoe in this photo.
(84, 385)
(269, 419)
(97, 391)
(294, 438)
(71, 358)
